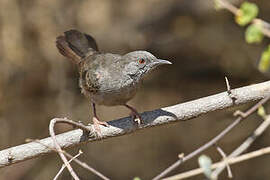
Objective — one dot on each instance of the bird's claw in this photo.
(96, 124)
(136, 118)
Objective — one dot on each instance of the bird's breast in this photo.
(108, 88)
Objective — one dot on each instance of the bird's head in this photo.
(139, 63)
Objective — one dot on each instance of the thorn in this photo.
(228, 85)
(229, 91)
(10, 158)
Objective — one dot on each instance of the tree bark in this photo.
(171, 114)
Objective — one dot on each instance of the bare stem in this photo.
(63, 166)
(224, 156)
(244, 145)
(59, 150)
(211, 142)
(263, 25)
(85, 129)
(80, 163)
(230, 7)
(232, 159)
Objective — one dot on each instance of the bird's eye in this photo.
(141, 61)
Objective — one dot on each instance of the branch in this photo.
(63, 166)
(246, 144)
(265, 26)
(176, 113)
(63, 153)
(224, 156)
(79, 162)
(214, 140)
(59, 150)
(232, 159)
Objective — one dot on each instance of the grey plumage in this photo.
(105, 78)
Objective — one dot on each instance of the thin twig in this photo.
(245, 144)
(63, 166)
(85, 129)
(80, 163)
(230, 7)
(59, 150)
(74, 124)
(263, 25)
(211, 142)
(231, 159)
(224, 156)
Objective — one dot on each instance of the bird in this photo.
(106, 78)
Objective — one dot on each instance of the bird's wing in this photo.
(89, 81)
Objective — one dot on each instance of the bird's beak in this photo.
(158, 62)
(161, 61)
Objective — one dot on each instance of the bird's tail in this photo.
(76, 45)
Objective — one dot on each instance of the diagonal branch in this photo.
(233, 157)
(63, 166)
(171, 114)
(214, 140)
(224, 156)
(232, 160)
(245, 145)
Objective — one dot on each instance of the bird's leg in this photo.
(135, 115)
(96, 120)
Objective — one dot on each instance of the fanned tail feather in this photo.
(76, 45)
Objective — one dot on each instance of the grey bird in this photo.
(105, 78)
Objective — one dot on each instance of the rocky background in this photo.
(38, 84)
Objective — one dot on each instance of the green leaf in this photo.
(205, 163)
(247, 12)
(261, 112)
(254, 34)
(264, 63)
(136, 178)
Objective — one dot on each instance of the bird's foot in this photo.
(136, 117)
(97, 122)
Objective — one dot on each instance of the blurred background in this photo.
(38, 84)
